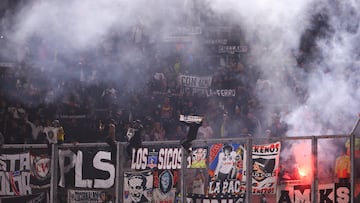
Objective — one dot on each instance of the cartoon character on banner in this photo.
(226, 162)
(138, 187)
(165, 191)
(198, 158)
(226, 166)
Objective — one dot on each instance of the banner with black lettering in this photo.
(90, 168)
(226, 170)
(33, 198)
(265, 164)
(296, 192)
(15, 173)
(89, 196)
(138, 187)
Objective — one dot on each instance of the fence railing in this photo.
(76, 170)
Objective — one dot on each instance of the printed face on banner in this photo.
(198, 158)
(226, 161)
(164, 186)
(265, 165)
(263, 168)
(166, 181)
(226, 169)
(138, 187)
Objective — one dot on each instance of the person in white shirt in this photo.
(205, 131)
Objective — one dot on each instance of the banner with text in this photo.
(15, 173)
(86, 169)
(89, 196)
(195, 85)
(159, 158)
(329, 193)
(225, 170)
(265, 164)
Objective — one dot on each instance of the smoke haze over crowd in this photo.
(279, 34)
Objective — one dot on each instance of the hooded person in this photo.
(134, 136)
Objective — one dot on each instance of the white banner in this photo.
(265, 164)
(195, 81)
(15, 174)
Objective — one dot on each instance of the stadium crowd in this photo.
(88, 92)
(132, 76)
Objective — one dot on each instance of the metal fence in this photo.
(124, 164)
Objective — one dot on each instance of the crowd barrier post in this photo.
(54, 174)
(314, 152)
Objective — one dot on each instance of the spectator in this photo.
(277, 127)
(166, 114)
(205, 131)
(178, 134)
(158, 133)
(36, 131)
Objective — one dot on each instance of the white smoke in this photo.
(276, 33)
(275, 30)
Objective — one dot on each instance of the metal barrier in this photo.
(123, 164)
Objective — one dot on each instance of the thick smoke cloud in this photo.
(83, 24)
(312, 43)
(72, 29)
(277, 31)
(315, 43)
